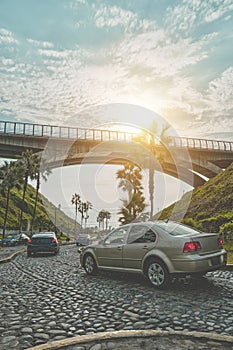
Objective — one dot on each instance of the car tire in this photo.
(157, 273)
(90, 265)
(29, 253)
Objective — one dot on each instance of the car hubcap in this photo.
(89, 264)
(156, 274)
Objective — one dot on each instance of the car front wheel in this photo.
(157, 273)
(90, 265)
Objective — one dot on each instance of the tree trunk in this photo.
(36, 199)
(24, 193)
(6, 212)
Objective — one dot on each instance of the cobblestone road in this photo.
(50, 297)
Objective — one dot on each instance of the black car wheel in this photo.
(157, 273)
(90, 265)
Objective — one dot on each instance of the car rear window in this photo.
(176, 229)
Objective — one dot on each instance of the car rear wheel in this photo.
(157, 273)
(90, 265)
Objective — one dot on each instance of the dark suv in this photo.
(43, 242)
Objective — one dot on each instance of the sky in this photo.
(59, 59)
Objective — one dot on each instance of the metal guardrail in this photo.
(38, 130)
(196, 143)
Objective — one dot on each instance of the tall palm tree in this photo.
(9, 175)
(40, 171)
(107, 218)
(76, 200)
(100, 218)
(86, 207)
(83, 209)
(27, 164)
(103, 215)
(130, 181)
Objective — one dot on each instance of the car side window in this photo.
(117, 236)
(141, 234)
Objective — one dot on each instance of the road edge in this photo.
(118, 335)
(11, 257)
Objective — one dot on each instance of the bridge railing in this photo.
(37, 130)
(201, 143)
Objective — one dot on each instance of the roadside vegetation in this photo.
(131, 183)
(211, 206)
(22, 207)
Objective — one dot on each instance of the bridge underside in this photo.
(201, 164)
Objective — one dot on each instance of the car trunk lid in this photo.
(39, 240)
(209, 242)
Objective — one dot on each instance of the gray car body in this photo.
(132, 257)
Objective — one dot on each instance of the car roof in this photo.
(43, 234)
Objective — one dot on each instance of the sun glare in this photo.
(125, 128)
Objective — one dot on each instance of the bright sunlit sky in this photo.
(175, 58)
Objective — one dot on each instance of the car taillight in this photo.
(54, 240)
(191, 247)
(29, 241)
(220, 242)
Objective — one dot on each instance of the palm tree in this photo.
(130, 181)
(27, 164)
(86, 207)
(40, 170)
(9, 174)
(107, 218)
(103, 215)
(83, 209)
(100, 218)
(76, 200)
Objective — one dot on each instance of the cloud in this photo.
(189, 15)
(7, 37)
(158, 67)
(157, 51)
(115, 16)
(42, 44)
(220, 94)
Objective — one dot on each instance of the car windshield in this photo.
(176, 229)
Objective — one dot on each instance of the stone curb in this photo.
(11, 257)
(228, 267)
(118, 335)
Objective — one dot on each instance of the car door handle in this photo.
(145, 247)
(120, 247)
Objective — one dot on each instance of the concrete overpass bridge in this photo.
(189, 159)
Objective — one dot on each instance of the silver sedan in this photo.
(156, 249)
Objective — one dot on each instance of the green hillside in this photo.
(211, 205)
(45, 213)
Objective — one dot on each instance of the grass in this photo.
(230, 258)
(229, 247)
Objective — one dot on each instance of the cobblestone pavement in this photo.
(46, 298)
(6, 252)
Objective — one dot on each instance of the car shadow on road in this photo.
(41, 255)
(188, 284)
